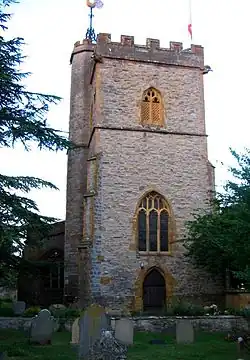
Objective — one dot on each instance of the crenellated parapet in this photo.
(152, 52)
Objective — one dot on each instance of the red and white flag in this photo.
(190, 30)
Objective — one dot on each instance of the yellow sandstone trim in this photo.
(141, 274)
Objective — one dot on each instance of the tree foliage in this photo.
(23, 119)
(219, 240)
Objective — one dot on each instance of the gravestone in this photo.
(184, 331)
(42, 327)
(3, 356)
(124, 331)
(91, 324)
(18, 307)
(75, 332)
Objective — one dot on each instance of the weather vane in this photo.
(90, 34)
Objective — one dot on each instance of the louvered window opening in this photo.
(151, 108)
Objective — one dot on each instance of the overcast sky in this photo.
(51, 27)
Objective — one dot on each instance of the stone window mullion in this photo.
(150, 111)
(153, 224)
(147, 231)
(152, 108)
(158, 232)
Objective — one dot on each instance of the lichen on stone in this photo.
(107, 348)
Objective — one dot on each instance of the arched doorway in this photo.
(154, 291)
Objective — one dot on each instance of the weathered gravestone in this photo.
(3, 356)
(92, 322)
(184, 331)
(96, 341)
(18, 307)
(124, 331)
(75, 332)
(42, 327)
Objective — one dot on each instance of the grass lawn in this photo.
(206, 347)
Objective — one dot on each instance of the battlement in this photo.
(126, 49)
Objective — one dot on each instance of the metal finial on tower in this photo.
(90, 34)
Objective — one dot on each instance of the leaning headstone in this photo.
(184, 332)
(19, 307)
(42, 327)
(75, 332)
(124, 331)
(92, 323)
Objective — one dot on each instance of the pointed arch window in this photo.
(153, 224)
(152, 108)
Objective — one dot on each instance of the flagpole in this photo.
(190, 24)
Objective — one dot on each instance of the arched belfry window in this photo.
(153, 222)
(152, 108)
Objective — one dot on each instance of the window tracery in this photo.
(152, 108)
(153, 224)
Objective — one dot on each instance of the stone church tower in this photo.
(138, 171)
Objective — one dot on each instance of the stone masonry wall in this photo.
(205, 323)
(77, 170)
(175, 167)
(122, 84)
(132, 160)
(151, 323)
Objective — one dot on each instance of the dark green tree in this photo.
(219, 240)
(23, 118)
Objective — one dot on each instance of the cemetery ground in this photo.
(207, 346)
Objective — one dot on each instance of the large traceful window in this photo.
(153, 224)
